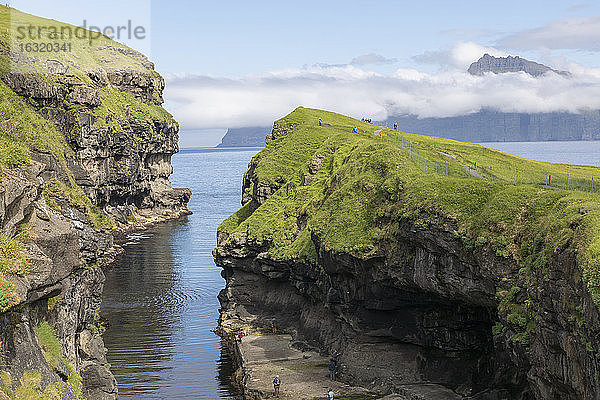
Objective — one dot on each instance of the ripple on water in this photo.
(160, 297)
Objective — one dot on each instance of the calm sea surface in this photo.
(160, 299)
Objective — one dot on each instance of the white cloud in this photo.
(200, 102)
(581, 33)
(460, 56)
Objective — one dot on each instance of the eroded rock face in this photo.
(123, 165)
(65, 254)
(425, 309)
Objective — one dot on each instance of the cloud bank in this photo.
(202, 102)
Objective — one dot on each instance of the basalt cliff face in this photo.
(86, 155)
(426, 305)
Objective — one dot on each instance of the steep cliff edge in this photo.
(485, 288)
(85, 151)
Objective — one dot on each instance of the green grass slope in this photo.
(87, 51)
(22, 128)
(366, 186)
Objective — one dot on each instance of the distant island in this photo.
(495, 126)
(245, 137)
(486, 125)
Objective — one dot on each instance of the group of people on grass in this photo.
(355, 129)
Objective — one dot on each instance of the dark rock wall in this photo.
(65, 254)
(123, 168)
(493, 126)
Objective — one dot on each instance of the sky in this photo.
(242, 63)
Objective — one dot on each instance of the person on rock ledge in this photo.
(330, 394)
(331, 368)
(274, 326)
(276, 385)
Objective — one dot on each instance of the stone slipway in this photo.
(304, 374)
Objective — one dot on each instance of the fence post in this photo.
(492, 173)
(592, 184)
(567, 181)
(426, 165)
(446, 168)
(517, 176)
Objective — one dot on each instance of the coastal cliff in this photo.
(85, 151)
(486, 290)
(244, 137)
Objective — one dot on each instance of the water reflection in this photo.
(161, 297)
(142, 301)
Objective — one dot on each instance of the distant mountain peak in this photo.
(500, 65)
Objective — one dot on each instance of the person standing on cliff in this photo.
(330, 394)
(331, 368)
(274, 326)
(276, 384)
(320, 122)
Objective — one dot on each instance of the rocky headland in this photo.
(85, 151)
(431, 286)
(244, 137)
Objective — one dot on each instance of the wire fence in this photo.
(437, 161)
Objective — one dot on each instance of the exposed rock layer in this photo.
(124, 169)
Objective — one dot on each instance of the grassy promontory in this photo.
(353, 191)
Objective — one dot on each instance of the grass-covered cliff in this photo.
(362, 188)
(357, 223)
(85, 151)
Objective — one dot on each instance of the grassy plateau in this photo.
(367, 185)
